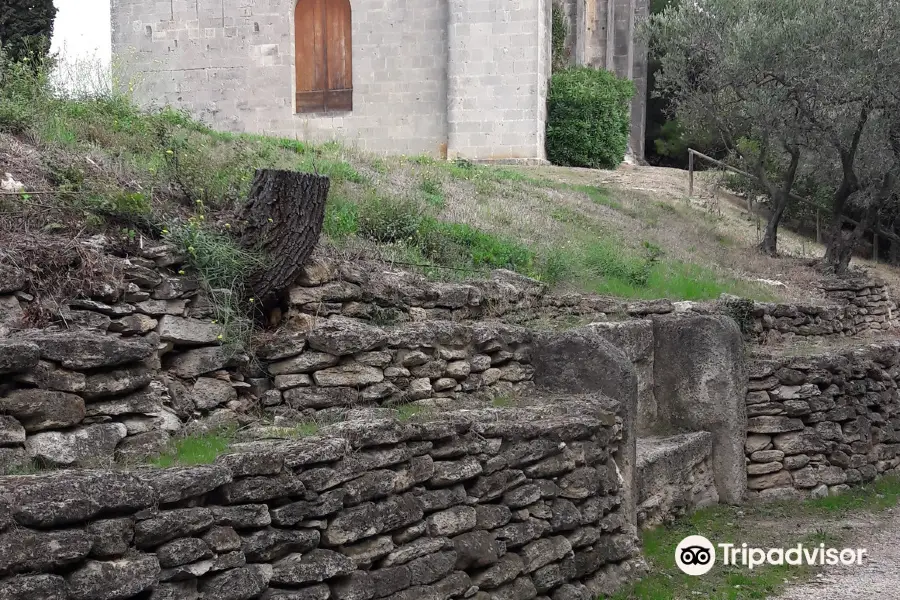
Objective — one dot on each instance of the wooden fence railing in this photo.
(876, 231)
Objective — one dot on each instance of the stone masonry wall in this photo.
(90, 387)
(231, 64)
(381, 294)
(117, 375)
(818, 423)
(428, 77)
(857, 305)
(502, 503)
(344, 364)
(498, 67)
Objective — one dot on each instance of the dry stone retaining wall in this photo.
(344, 363)
(381, 294)
(384, 295)
(498, 503)
(817, 424)
(115, 374)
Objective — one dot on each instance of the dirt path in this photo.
(877, 577)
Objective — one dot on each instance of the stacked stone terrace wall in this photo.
(498, 503)
(382, 294)
(344, 363)
(855, 306)
(817, 424)
(115, 374)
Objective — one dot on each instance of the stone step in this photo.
(674, 476)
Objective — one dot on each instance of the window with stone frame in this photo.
(323, 56)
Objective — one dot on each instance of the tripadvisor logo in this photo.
(696, 555)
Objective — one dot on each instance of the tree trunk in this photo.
(769, 243)
(781, 197)
(836, 251)
(844, 243)
(284, 217)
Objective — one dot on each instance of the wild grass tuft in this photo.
(221, 267)
(198, 449)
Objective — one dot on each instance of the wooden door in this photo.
(323, 46)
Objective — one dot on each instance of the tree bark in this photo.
(782, 197)
(839, 254)
(840, 250)
(283, 221)
(769, 243)
(836, 250)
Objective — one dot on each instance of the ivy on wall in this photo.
(559, 32)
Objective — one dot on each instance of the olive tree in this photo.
(812, 83)
(844, 82)
(717, 81)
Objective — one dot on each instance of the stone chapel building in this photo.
(447, 78)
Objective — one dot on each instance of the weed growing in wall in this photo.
(221, 267)
(741, 310)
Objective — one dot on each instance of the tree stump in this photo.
(283, 220)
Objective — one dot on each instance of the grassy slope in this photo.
(134, 174)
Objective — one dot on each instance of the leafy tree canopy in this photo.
(813, 84)
(26, 27)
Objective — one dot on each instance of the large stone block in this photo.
(670, 471)
(81, 350)
(86, 446)
(110, 580)
(635, 339)
(583, 362)
(70, 497)
(17, 356)
(188, 332)
(39, 410)
(700, 384)
(26, 551)
(341, 337)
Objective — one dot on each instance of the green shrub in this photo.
(217, 258)
(587, 118)
(389, 220)
(222, 268)
(23, 92)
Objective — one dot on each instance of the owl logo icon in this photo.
(695, 555)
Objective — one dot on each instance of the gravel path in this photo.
(877, 577)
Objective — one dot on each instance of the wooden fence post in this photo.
(818, 228)
(690, 173)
